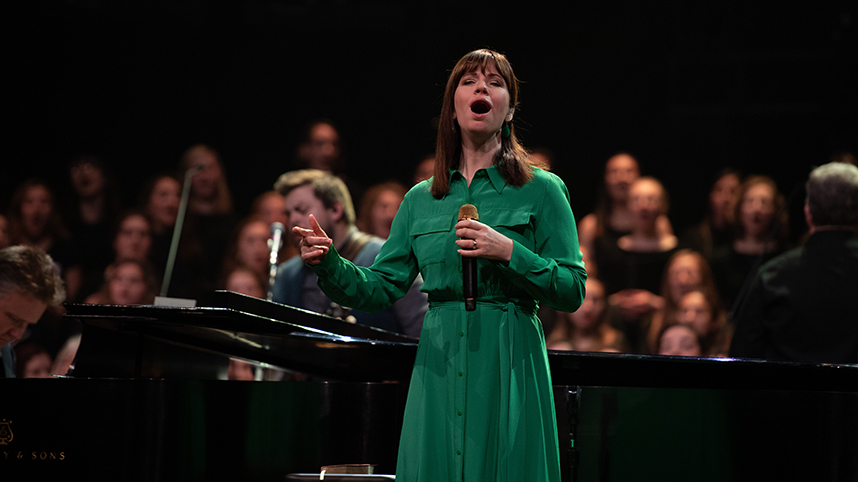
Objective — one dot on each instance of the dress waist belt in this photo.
(527, 309)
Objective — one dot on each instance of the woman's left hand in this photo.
(490, 244)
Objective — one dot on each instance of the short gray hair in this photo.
(29, 269)
(832, 195)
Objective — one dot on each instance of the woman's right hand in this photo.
(314, 243)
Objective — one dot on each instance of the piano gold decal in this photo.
(6, 435)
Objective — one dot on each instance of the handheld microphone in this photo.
(469, 265)
(275, 243)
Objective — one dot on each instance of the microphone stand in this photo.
(177, 229)
(274, 244)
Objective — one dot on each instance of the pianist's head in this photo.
(29, 282)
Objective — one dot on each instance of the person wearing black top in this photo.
(802, 304)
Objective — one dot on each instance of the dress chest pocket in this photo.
(516, 225)
(433, 237)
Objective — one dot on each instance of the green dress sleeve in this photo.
(373, 288)
(555, 273)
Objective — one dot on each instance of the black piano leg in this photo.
(573, 403)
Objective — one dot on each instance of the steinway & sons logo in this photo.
(6, 437)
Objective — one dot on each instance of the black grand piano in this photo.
(147, 401)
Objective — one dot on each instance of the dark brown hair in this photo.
(512, 160)
(604, 204)
(150, 279)
(54, 228)
(671, 306)
(780, 220)
(26, 351)
(364, 220)
(223, 204)
(230, 259)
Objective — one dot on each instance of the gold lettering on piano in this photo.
(48, 455)
(36, 455)
(6, 435)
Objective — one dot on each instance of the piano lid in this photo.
(291, 338)
(233, 311)
(149, 341)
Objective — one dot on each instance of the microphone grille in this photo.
(468, 211)
(276, 226)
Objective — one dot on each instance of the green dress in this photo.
(480, 405)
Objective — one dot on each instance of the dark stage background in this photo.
(688, 87)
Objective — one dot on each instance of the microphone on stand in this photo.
(274, 244)
(177, 229)
(469, 265)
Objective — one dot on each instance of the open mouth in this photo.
(480, 107)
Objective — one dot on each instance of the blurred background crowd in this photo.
(683, 132)
(653, 288)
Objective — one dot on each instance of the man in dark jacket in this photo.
(803, 305)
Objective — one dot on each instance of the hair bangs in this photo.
(479, 60)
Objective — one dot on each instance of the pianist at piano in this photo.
(29, 283)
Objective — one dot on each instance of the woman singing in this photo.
(480, 406)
